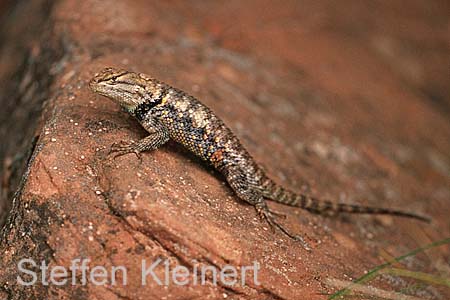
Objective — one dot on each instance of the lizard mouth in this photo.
(98, 87)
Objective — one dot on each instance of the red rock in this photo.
(350, 98)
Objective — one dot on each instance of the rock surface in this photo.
(348, 102)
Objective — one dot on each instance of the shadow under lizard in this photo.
(169, 113)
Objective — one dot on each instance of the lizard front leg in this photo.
(158, 137)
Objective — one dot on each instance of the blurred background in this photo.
(348, 100)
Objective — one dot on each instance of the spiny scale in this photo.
(169, 113)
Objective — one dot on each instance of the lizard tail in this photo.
(277, 193)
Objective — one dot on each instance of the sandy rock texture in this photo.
(345, 100)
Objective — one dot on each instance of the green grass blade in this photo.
(432, 279)
(374, 272)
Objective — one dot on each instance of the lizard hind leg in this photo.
(254, 197)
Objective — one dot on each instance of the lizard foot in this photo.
(267, 214)
(122, 148)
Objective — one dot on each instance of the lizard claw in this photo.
(122, 148)
(265, 213)
(277, 213)
(116, 147)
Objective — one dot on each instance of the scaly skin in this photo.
(169, 113)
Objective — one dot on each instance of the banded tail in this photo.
(279, 194)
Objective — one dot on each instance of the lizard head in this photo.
(126, 88)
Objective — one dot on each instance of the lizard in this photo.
(167, 113)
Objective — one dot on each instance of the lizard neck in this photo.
(142, 109)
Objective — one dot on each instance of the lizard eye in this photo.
(113, 79)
